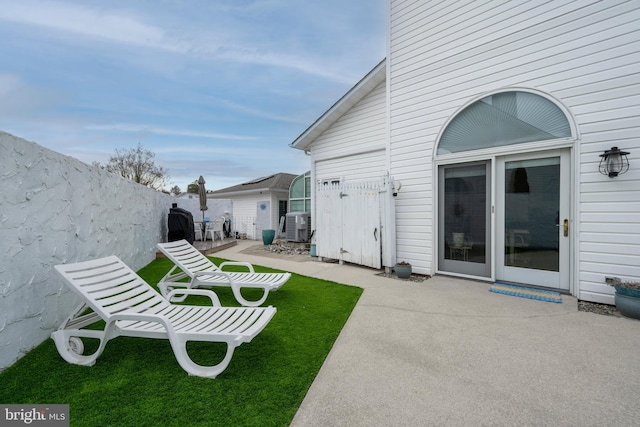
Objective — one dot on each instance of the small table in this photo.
(460, 250)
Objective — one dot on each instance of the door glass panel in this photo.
(465, 213)
(532, 206)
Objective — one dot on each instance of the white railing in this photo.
(244, 227)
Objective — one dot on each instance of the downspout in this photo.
(312, 171)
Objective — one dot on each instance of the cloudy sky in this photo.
(218, 88)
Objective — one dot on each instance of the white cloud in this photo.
(17, 97)
(217, 88)
(305, 64)
(256, 112)
(157, 130)
(231, 170)
(9, 83)
(230, 40)
(81, 20)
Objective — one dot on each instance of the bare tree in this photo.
(138, 165)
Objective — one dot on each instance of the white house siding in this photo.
(244, 215)
(366, 166)
(585, 54)
(245, 210)
(353, 148)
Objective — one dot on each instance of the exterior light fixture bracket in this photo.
(613, 162)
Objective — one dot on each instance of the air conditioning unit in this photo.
(298, 226)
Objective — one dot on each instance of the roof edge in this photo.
(355, 94)
(217, 195)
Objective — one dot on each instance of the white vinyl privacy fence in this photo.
(244, 226)
(355, 222)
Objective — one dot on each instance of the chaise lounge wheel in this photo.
(76, 345)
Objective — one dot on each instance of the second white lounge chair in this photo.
(202, 272)
(130, 307)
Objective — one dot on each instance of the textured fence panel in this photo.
(55, 209)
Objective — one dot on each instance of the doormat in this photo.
(519, 291)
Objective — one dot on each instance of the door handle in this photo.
(565, 227)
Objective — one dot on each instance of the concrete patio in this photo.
(447, 351)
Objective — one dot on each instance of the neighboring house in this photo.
(215, 207)
(258, 204)
(187, 196)
(493, 117)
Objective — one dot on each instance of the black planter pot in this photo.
(403, 271)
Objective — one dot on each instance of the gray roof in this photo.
(277, 182)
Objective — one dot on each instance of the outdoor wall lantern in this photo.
(614, 162)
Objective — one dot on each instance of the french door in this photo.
(532, 216)
(464, 219)
(524, 236)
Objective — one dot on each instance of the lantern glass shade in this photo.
(614, 162)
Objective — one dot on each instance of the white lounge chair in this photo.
(202, 272)
(130, 307)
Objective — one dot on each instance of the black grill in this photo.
(180, 225)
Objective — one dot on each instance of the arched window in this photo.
(300, 194)
(504, 119)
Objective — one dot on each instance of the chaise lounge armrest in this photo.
(215, 301)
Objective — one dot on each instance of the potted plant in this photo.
(403, 270)
(312, 247)
(627, 297)
(268, 236)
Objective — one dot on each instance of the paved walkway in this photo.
(447, 352)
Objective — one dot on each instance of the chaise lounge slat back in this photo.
(130, 307)
(202, 272)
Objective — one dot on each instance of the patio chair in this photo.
(202, 272)
(215, 228)
(130, 307)
(197, 231)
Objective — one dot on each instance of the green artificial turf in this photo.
(137, 382)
